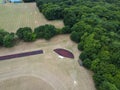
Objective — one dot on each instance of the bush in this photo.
(52, 11)
(21, 31)
(83, 56)
(66, 30)
(2, 35)
(45, 31)
(80, 46)
(29, 37)
(75, 36)
(108, 86)
(39, 31)
(87, 63)
(9, 40)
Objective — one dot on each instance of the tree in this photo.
(45, 31)
(69, 18)
(94, 65)
(2, 35)
(66, 30)
(80, 46)
(91, 45)
(52, 11)
(28, 37)
(87, 63)
(83, 56)
(107, 86)
(9, 40)
(75, 36)
(21, 31)
(82, 28)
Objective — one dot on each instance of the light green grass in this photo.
(13, 16)
(1, 1)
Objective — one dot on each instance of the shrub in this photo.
(21, 31)
(75, 36)
(80, 46)
(108, 86)
(29, 37)
(2, 35)
(87, 63)
(45, 31)
(9, 40)
(52, 11)
(66, 30)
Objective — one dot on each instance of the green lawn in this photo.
(1, 1)
(13, 16)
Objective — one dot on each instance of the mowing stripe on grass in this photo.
(21, 55)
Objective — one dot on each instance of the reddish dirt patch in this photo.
(64, 53)
(21, 55)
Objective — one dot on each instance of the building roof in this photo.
(15, 1)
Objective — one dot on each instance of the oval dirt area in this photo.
(25, 83)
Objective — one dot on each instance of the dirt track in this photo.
(48, 68)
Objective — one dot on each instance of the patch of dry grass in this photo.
(13, 16)
(61, 74)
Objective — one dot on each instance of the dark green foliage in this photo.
(9, 40)
(45, 31)
(80, 46)
(26, 34)
(108, 86)
(75, 36)
(87, 63)
(83, 56)
(52, 11)
(21, 31)
(66, 30)
(29, 37)
(2, 35)
(69, 19)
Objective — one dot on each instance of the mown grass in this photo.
(1, 1)
(13, 16)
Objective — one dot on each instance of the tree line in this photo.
(95, 26)
(27, 34)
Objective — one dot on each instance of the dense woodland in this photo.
(93, 24)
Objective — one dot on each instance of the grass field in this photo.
(13, 16)
(1, 1)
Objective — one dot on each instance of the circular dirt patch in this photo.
(25, 83)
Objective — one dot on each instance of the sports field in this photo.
(45, 71)
(13, 16)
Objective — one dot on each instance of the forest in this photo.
(95, 26)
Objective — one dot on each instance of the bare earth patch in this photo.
(48, 69)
